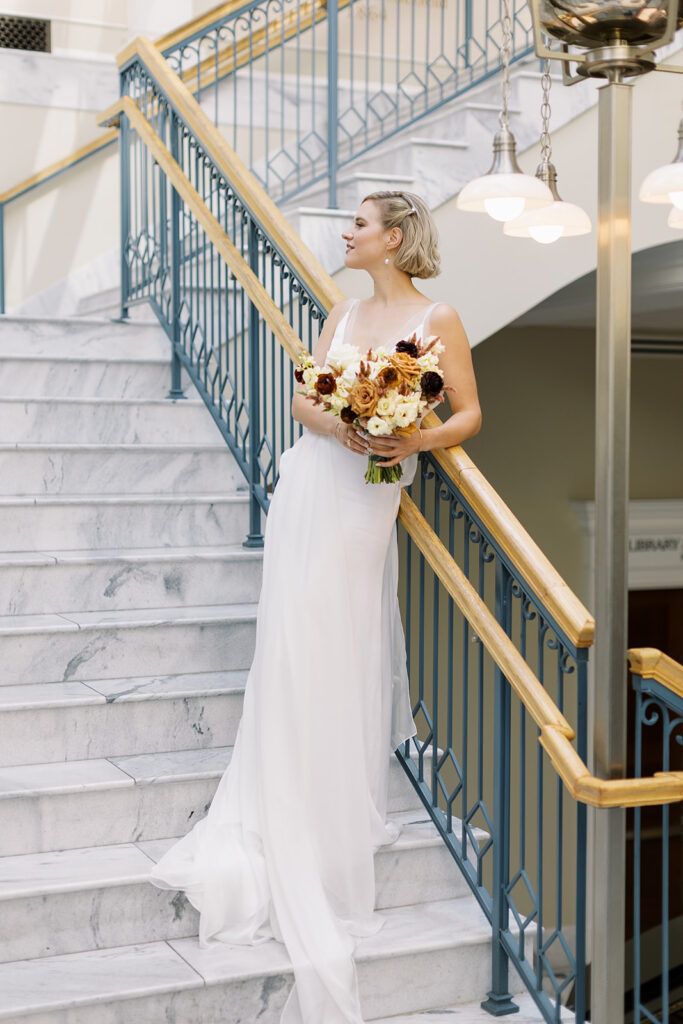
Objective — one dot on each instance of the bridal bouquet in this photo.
(385, 392)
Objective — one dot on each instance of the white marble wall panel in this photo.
(117, 469)
(122, 421)
(114, 521)
(101, 645)
(138, 578)
(50, 80)
(72, 721)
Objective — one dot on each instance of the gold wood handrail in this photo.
(653, 664)
(224, 246)
(59, 165)
(556, 733)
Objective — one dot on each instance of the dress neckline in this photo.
(353, 310)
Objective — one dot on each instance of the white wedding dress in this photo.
(286, 848)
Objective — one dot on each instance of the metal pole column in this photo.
(613, 366)
(124, 143)
(332, 97)
(2, 257)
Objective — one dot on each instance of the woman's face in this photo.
(366, 239)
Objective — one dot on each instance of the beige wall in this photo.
(537, 392)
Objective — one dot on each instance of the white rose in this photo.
(405, 414)
(387, 403)
(343, 357)
(377, 426)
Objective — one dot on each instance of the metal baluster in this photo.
(637, 838)
(124, 143)
(499, 1000)
(332, 98)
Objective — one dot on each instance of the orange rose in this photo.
(405, 365)
(363, 398)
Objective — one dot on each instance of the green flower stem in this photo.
(382, 474)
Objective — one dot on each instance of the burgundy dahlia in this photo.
(431, 383)
(347, 415)
(299, 374)
(409, 347)
(325, 384)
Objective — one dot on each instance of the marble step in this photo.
(100, 801)
(107, 421)
(81, 338)
(39, 582)
(473, 1013)
(70, 522)
(136, 642)
(33, 469)
(426, 956)
(94, 897)
(62, 376)
(74, 721)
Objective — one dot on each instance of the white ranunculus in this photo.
(387, 403)
(405, 414)
(377, 426)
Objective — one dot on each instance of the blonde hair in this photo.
(417, 254)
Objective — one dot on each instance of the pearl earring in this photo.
(386, 259)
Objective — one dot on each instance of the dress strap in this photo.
(425, 318)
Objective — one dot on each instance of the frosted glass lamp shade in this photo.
(504, 196)
(665, 184)
(550, 223)
(675, 219)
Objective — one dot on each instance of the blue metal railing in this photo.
(657, 896)
(497, 802)
(302, 89)
(486, 784)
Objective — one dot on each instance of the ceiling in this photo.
(657, 306)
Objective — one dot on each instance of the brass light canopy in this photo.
(618, 37)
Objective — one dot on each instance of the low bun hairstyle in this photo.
(418, 254)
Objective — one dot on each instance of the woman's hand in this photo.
(351, 438)
(394, 449)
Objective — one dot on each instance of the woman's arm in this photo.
(312, 416)
(455, 364)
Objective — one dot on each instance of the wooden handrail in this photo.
(59, 165)
(556, 733)
(653, 664)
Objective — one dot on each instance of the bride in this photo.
(286, 849)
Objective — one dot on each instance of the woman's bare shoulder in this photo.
(445, 316)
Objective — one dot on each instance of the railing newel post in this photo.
(499, 1002)
(124, 143)
(176, 391)
(254, 538)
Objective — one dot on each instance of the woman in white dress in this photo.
(286, 850)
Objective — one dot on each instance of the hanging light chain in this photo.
(506, 53)
(546, 149)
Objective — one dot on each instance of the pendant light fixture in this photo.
(675, 218)
(665, 184)
(560, 219)
(504, 192)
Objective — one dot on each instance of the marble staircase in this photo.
(127, 617)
